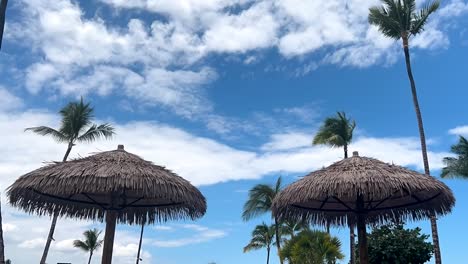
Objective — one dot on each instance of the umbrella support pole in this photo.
(111, 220)
(362, 239)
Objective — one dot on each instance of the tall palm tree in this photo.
(399, 19)
(3, 6)
(91, 242)
(262, 237)
(457, 166)
(337, 132)
(259, 202)
(75, 127)
(312, 247)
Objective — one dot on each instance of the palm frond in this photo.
(47, 131)
(335, 131)
(388, 25)
(95, 132)
(81, 245)
(259, 202)
(420, 19)
(75, 117)
(262, 236)
(457, 167)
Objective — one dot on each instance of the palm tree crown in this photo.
(399, 19)
(312, 247)
(262, 237)
(457, 166)
(260, 199)
(76, 125)
(336, 132)
(91, 242)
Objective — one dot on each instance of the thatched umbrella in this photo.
(363, 191)
(113, 185)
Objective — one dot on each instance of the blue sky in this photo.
(228, 94)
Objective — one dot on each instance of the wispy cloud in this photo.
(202, 234)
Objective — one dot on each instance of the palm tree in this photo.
(91, 242)
(75, 127)
(457, 167)
(399, 19)
(312, 247)
(262, 237)
(3, 6)
(337, 132)
(260, 200)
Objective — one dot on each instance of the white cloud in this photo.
(454, 8)
(254, 28)
(288, 141)
(32, 243)
(459, 130)
(9, 101)
(202, 234)
(163, 228)
(7, 227)
(199, 159)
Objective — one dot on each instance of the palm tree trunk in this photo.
(422, 137)
(90, 256)
(2, 244)
(50, 237)
(268, 255)
(139, 244)
(278, 241)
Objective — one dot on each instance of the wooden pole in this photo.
(139, 244)
(361, 229)
(111, 220)
(362, 238)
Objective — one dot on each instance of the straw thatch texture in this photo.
(387, 192)
(138, 190)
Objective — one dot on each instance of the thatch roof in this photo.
(141, 191)
(388, 192)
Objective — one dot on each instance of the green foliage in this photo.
(75, 125)
(91, 242)
(393, 244)
(262, 237)
(335, 131)
(312, 247)
(457, 166)
(260, 199)
(399, 18)
(291, 228)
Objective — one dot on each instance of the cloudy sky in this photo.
(228, 94)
